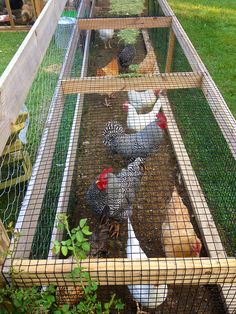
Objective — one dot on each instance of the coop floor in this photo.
(157, 185)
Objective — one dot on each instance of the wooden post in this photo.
(4, 244)
(7, 2)
(170, 51)
(38, 5)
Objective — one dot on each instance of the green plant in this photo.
(123, 7)
(42, 301)
(78, 245)
(23, 300)
(128, 36)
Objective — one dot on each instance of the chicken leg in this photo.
(114, 229)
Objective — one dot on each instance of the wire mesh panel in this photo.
(152, 171)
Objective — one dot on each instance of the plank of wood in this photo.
(8, 7)
(170, 51)
(118, 271)
(65, 191)
(16, 28)
(224, 117)
(4, 245)
(115, 84)
(123, 23)
(23, 67)
(38, 5)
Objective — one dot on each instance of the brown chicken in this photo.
(148, 65)
(178, 236)
(111, 69)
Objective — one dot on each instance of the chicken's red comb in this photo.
(104, 173)
(162, 121)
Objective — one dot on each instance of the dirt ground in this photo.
(157, 185)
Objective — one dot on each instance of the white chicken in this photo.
(141, 100)
(138, 122)
(106, 35)
(149, 296)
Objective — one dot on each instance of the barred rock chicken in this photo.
(137, 121)
(178, 236)
(148, 65)
(149, 296)
(111, 69)
(106, 35)
(126, 56)
(112, 195)
(140, 144)
(143, 99)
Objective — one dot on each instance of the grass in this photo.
(10, 42)
(211, 26)
(210, 156)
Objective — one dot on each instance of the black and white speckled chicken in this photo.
(140, 144)
(126, 56)
(112, 195)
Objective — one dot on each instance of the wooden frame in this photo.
(111, 84)
(118, 271)
(218, 269)
(37, 6)
(123, 23)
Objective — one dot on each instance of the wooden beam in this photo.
(17, 28)
(118, 271)
(23, 67)
(170, 51)
(122, 23)
(115, 84)
(4, 245)
(38, 5)
(8, 7)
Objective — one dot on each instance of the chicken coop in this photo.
(137, 132)
(18, 15)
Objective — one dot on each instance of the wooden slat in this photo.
(8, 7)
(170, 51)
(17, 28)
(122, 23)
(4, 245)
(23, 67)
(108, 84)
(31, 208)
(38, 5)
(118, 271)
(224, 117)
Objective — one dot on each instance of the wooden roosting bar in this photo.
(218, 269)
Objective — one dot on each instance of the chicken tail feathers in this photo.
(111, 131)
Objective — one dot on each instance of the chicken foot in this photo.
(114, 229)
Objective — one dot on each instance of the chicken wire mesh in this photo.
(152, 190)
